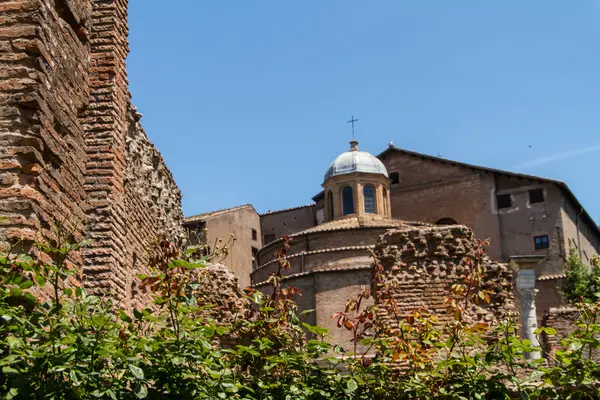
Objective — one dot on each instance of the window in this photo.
(330, 205)
(269, 238)
(504, 201)
(254, 258)
(254, 234)
(395, 177)
(348, 200)
(536, 196)
(369, 195)
(385, 202)
(541, 242)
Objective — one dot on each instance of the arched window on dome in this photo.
(369, 195)
(385, 202)
(348, 200)
(330, 205)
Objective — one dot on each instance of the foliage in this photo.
(59, 342)
(582, 282)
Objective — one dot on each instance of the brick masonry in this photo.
(422, 264)
(72, 146)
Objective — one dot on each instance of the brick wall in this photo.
(72, 146)
(423, 263)
(43, 88)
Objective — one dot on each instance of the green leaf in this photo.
(351, 385)
(40, 280)
(141, 392)
(68, 291)
(26, 285)
(124, 317)
(136, 371)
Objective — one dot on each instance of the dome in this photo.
(355, 161)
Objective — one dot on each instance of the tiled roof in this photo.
(287, 209)
(354, 223)
(205, 216)
(318, 271)
(560, 184)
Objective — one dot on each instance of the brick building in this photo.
(522, 215)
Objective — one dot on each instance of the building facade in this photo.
(238, 226)
(521, 215)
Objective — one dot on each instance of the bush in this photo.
(582, 282)
(70, 345)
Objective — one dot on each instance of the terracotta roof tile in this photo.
(205, 216)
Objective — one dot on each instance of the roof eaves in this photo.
(211, 214)
(287, 209)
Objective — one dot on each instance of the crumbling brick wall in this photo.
(72, 146)
(563, 320)
(421, 264)
(43, 88)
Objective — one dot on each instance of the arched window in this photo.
(348, 200)
(446, 221)
(330, 205)
(385, 202)
(369, 195)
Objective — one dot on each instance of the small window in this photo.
(536, 196)
(269, 238)
(369, 196)
(541, 242)
(254, 234)
(504, 201)
(395, 177)
(348, 200)
(254, 258)
(331, 209)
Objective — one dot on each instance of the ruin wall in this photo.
(72, 145)
(421, 264)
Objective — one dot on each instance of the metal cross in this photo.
(352, 121)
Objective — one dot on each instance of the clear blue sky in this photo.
(248, 100)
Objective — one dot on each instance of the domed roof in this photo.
(355, 161)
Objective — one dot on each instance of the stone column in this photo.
(526, 291)
(359, 200)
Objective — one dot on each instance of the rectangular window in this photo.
(269, 238)
(541, 242)
(254, 258)
(504, 201)
(254, 234)
(536, 196)
(395, 177)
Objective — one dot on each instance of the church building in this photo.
(364, 196)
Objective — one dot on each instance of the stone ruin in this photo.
(73, 148)
(421, 264)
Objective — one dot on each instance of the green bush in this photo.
(70, 345)
(582, 282)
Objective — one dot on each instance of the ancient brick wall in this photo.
(43, 88)
(421, 264)
(72, 146)
(563, 320)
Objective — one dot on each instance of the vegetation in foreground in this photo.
(71, 345)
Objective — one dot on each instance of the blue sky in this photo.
(248, 100)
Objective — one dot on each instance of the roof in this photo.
(560, 184)
(354, 223)
(287, 209)
(355, 161)
(212, 214)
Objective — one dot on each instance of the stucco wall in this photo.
(239, 223)
(276, 224)
(578, 232)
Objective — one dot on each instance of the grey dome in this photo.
(355, 161)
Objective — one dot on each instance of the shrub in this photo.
(65, 344)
